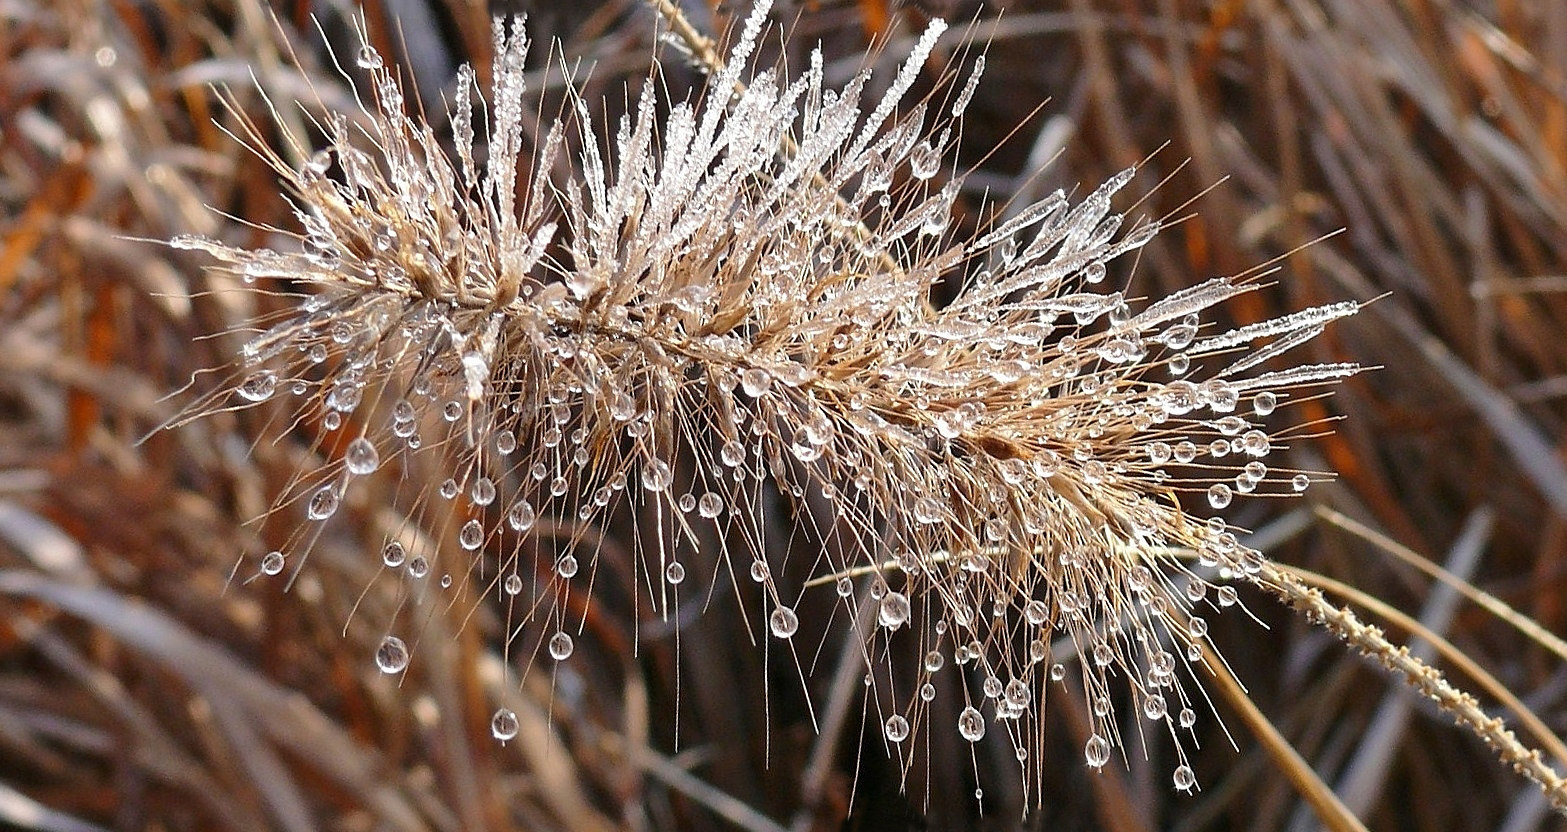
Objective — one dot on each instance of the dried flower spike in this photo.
(732, 302)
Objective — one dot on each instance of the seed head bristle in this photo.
(732, 301)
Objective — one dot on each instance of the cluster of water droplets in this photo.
(740, 321)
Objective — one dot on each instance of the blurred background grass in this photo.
(141, 688)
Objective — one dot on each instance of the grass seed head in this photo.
(728, 302)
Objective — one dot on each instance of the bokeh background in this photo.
(1416, 149)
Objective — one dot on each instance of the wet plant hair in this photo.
(723, 315)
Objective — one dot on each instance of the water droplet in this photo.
(1154, 706)
(561, 646)
(504, 725)
(927, 691)
(732, 454)
(483, 491)
(393, 554)
(674, 573)
(449, 488)
(521, 517)
(1219, 495)
(971, 725)
(686, 503)
(759, 571)
(392, 655)
(369, 58)
(656, 475)
(361, 457)
(323, 503)
(1057, 672)
(1300, 482)
(472, 535)
(505, 442)
(711, 505)
(1188, 717)
(1185, 779)
(272, 563)
(418, 567)
(513, 584)
(258, 386)
(924, 160)
(1228, 596)
(446, 581)
(933, 661)
(1097, 751)
(783, 622)
(1264, 403)
(1036, 612)
(755, 382)
(567, 566)
(894, 611)
(897, 728)
(845, 587)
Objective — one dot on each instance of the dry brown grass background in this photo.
(141, 689)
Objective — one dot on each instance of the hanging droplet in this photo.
(521, 516)
(369, 58)
(513, 584)
(1219, 495)
(258, 386)
(732, 454)
(472, 535)
(418, 566)
(1300, 482)
(503, 726)
(361, 457)
(392, 655)
(1097, 751)
(1264, 403)
(755, 382)
(711, 505)
(675, 573)
(971, 724)
(393, 554)
(323, 503)
(561, 646)
(759, 571)
(567, 566)
(483, 491)
(1154, 706)
(897, 728)
(1185, 779)
(894, 610)
(656, 475)
(783, 622)
(272, 563)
